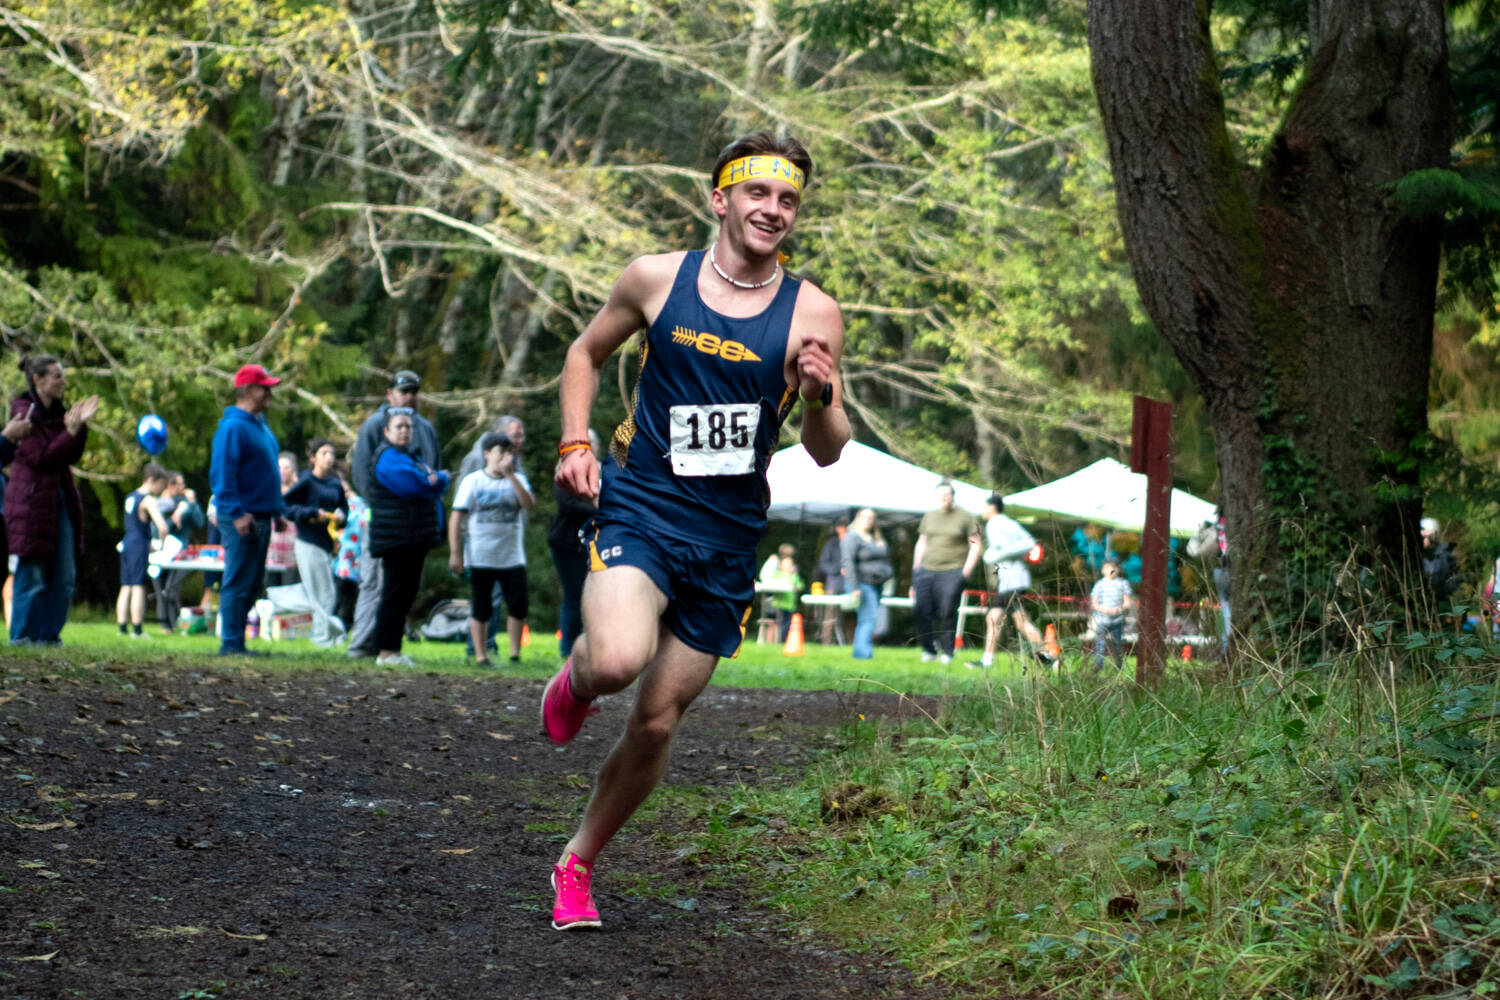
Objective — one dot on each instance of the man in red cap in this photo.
(247, 492)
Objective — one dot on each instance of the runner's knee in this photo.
(612, 666)
(654, 728)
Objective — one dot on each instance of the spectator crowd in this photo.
(348, 539)
(353, 537)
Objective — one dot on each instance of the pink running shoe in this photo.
(573, 903)
(563, 714)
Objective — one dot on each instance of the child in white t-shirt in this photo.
(492, 503)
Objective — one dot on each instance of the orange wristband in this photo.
(568, 446)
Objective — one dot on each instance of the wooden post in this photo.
(1151, 453)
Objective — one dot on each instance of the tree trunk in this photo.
(762, 24)
(1299, 299)
(286, 137)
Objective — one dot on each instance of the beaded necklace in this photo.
(735, 281)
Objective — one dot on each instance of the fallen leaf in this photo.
(500, 736)
(3, 699)
(463, 798)
(181, 930)
(66, 824)
(458, 850)
(245, 937)
(36, 958)
(236, 701)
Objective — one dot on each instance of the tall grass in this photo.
(1323, 832)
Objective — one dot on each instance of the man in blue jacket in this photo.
(247, 489)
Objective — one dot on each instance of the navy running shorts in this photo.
(710, 590)
(133, 563)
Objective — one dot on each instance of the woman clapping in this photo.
(43, 511)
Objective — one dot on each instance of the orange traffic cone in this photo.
(793, 645)
(1187, 652)
(525, 636)
(1050, 644)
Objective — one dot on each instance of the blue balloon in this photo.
(151, 433)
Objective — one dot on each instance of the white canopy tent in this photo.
(1107, 493)
(862, 477)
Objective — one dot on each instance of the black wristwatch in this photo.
(825, 398)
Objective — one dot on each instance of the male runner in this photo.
(731, 342)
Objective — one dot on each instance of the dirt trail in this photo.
(185, 832)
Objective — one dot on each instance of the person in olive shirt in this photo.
(947, 550)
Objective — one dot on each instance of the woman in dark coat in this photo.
(43, 511)
(406, 521)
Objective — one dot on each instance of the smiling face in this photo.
(756, 216)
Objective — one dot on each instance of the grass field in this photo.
(758, 665)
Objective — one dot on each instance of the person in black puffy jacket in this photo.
(406, 520)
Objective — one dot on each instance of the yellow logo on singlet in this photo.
(708, 343)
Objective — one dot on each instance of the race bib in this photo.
(717, 439)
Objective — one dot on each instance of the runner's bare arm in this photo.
(818, 338)
(633, 302)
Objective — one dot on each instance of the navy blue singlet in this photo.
(137, 532)
(687, 462)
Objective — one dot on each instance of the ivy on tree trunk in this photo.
(1294, 292)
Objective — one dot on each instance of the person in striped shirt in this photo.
(1110, 599)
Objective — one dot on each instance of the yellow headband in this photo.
(774, 168)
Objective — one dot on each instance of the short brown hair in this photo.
(761, 143)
